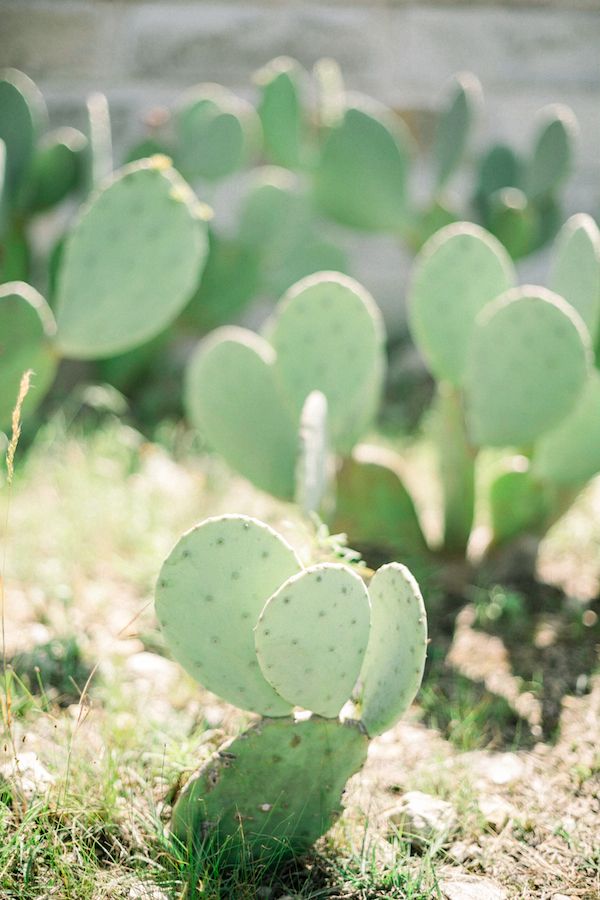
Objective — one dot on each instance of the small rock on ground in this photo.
(471, 887)
(28, 773)
(422, 817)
(496, 811)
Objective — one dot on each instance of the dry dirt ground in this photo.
(87, 527)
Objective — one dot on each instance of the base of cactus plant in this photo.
(269, 794)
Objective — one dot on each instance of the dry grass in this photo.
(91, 518)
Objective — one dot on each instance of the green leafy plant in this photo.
(246, 619)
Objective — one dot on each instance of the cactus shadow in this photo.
(550, 639)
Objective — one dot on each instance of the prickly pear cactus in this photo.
(246, 394)
(373, 506)
(362, 175)
(553, 151)
(518, 199)
(529, 358)
(57, 169)
(395, 657)
(22, 118)
(312, 635)
(459, 270)
(216, 131)
(232, 398)
(516, 363)
(27, 328)
(454, 125)
(245, 618)
(281, 113)
(315, 467)
(575, 272)
(131, 262)
(269, 794)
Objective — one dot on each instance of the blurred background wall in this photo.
(143, 53)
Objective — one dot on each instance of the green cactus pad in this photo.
(229, 283)
(216, 132)
(456, 464)
(361, 179)
(518, 503)
(231, 397)
(395, 657)
(499, 168)
(331, 94)
(273, 205)
(373, 506)
(14, 254)
(27, 327)
(269, 794)
(280, 111)
(57, 168)
(328, 336)
(569, 455)
(312, 635)
(528, 362)
(22, 117)
(278, 223)
(553, 151)
(209, 595)
(513, 220)
(455, 124)
(131, 263)
(314, 466)
(100, 152)
(3, 197)
(575, 273)
(459, 270)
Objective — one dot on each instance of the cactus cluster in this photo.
(247, 393)
(518, 200)
(514, 368)
(248, 621)
(38, 168)
(129, 265)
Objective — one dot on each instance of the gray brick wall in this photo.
(143, 53)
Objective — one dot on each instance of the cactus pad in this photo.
(216, 132)
(575, 273)
(131, 263)
(57, 168)
(455, 124)
(314, 467)
(280, 111)
(553, 151)
(569, 455)
(459, 270)
(27, 327)
(361, 179)
(22, 116)
(100, 159)
(528, 362)
(395, 657)
(232, 399)
(210, 592)
(270, 793)
(373, 506)
(518, 504)
(328, 336)
(312, 635)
